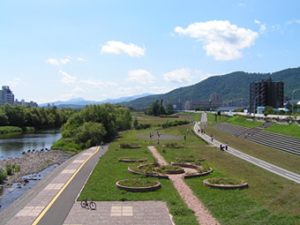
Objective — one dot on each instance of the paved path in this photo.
(258, 162)
(44, 207)
(202, 214)
(121, 213)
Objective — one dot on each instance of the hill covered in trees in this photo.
(232, 87)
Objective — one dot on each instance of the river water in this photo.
(14, 146)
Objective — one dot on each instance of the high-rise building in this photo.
(6, 96)
(266, 93)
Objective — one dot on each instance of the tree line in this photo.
(39, 118)
(158, 108)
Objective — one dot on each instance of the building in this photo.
(27, 104)
(6, 96)
(266, 93)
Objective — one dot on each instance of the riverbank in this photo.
(33, 162)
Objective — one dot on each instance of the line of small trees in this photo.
(158, 108)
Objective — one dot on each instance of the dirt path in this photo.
(203, 215)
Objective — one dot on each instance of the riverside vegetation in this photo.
(20, 119)
(92, 126)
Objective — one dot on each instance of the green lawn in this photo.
(235, 120)
(269, 200)
(101, 184)
(290, 129)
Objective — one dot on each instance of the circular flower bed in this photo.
(189, 159)
(130, 145)
(225, 183)
(194, 170)
(170, 169)
(138, 185)
(132, 159)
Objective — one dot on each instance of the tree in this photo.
(268, 110)
(90, 134)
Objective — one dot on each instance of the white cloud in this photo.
(118, 47)
(80, 59)
(220, 38)
(178, 76)
(262, 26)
(58, 62)
(294, 21)
(67, 78)
(14, 82)
(98, 83)
(141, 76)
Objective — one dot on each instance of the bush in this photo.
(66, 144)
(174, 123)
(10, 129)
(11, 169)
(3, 175)
(131, 146)
(90, 134)
(142, 126)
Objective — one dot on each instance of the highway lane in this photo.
(258, 162)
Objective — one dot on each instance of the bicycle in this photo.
(88, 204)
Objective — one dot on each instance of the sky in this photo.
(60, 49)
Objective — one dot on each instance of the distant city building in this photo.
(6, 96)
(27, 104)
(266, 93)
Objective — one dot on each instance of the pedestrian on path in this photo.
(211, 138)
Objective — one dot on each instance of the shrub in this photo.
(66, 144)
(11, 169)
(10, 129)
(3, 175)
(174, 123)
(129, 145)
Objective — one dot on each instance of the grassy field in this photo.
(289, 129)
(235, 120)
(286, 129)
(101, 185)
(269, 200)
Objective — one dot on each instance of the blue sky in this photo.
(56, 50)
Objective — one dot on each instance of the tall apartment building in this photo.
(266, 93)
(6, 96)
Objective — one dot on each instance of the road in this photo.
(258, 162)
(58, 212)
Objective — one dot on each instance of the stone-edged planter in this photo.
(157, 175)
(198, 174)
(225, 186)
(154, 187)
(130, 146)
(192, 166)
(177, 170)
(186, 165)
(131, 160)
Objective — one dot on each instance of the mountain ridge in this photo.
(233, 87)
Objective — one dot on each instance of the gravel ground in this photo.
(34, 162)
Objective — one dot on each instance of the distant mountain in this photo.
(81, 102)
(232, 87)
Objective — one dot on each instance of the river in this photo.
(14, 146)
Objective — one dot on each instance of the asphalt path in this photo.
(58, 212)
(258, 162)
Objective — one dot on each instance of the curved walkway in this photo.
(258, 162)
(202, 214)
